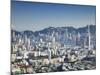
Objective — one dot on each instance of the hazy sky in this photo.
(36, 16)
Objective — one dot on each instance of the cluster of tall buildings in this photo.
(52, 48)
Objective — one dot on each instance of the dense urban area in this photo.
(53, 49)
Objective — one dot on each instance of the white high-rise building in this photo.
(49, 54)
(78, 36)
(41, 41)
(14, 36)
(53, 40)
(28, 43)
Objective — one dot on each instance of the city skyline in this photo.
(51, 37)
(37, 16)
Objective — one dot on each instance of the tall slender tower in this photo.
(89, 38)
